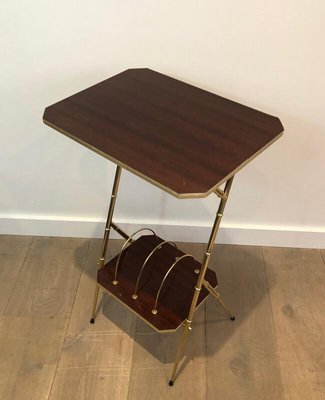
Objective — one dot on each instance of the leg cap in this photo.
(171, 383)
(92, 321)
(232, 318)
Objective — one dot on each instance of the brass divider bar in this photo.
(125, 245)
(158, 247)
(154, 311)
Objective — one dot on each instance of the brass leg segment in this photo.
(110, 215)
(92, 321)
(217, 296)
(223, 200)
(108, 225)
(187, 328)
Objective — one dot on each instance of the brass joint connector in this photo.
(220, 193)
(101, 261)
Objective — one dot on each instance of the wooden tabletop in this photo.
(183, 139)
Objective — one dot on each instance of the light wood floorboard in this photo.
(13, 251)
(30, 349)
(96, 359)
(47, 282)
(241, 356)
(297, 291)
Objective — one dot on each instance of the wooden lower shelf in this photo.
(177, 292)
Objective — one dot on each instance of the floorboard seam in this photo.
(15, 284)
(131, 368)
(68, 319)
(272, 321)
(322, 253)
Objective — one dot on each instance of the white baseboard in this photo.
(257, 235)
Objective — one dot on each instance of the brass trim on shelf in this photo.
(143, 319)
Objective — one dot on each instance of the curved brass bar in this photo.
(135, 295)
(154, 311)
(115, 281)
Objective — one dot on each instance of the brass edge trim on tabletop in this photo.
(152, 181)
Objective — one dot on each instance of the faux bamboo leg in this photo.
(93, 313)
(108, 225)
(182, 341)
(200, 280)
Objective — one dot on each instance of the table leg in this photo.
(187, 325)
(101, 260)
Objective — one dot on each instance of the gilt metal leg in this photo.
(108, 226)
(93, 313)
(186, 330)
(223, 200)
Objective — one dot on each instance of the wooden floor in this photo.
(48, 350)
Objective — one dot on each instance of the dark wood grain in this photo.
(179, 137)
(177, 292)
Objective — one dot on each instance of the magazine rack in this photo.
(189, 143)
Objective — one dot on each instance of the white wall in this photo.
(267, 55)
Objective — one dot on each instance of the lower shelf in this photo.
(177, 292)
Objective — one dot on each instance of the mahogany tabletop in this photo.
(183, 139)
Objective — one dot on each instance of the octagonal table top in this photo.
(183, 139)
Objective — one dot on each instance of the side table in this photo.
(188, 142)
